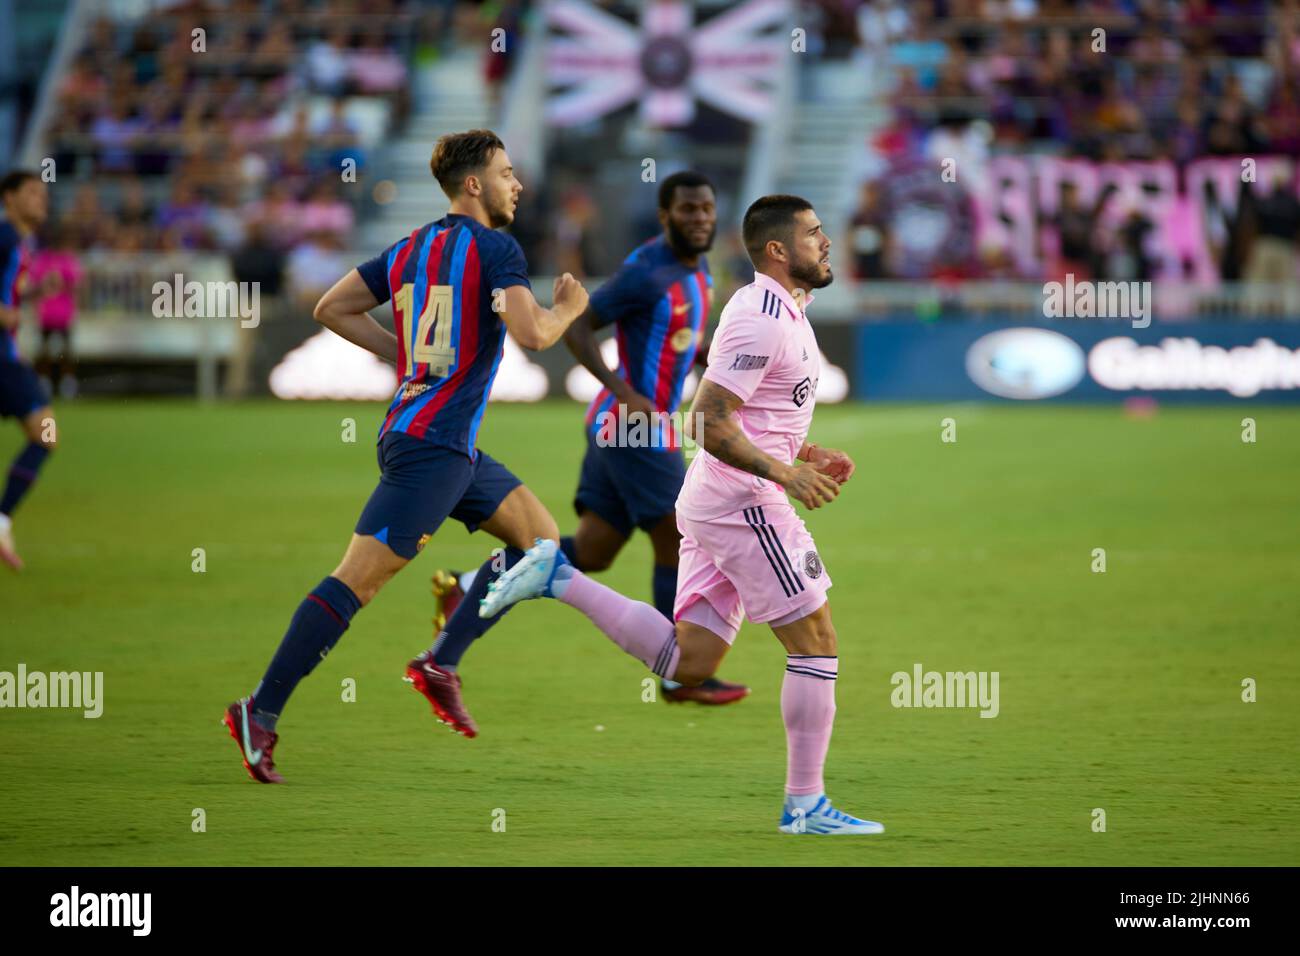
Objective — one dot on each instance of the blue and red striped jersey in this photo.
(13, 267)
(659, 307)
(441, 280)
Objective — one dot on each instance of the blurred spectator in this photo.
(55, 273)
(1228, 231)
(376, 69)
(1272, 256)
(324, 211)
(259, 260)
(84, 221)
(503, 48)
(278, 213)
(134, 208)
(868, 235)
(1129, 260)
(327, 63)
(183, 218)
(576, 240)
(1076, 225)
(114, 134)
(337, 137)
(226, 224)
(313, 266)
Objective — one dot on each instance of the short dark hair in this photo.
(14, 180)
(768, 218)
(456, 155)
(687, 179)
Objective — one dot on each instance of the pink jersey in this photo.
(56, 301)
(764, 352)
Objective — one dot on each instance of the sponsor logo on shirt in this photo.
(802, 391)
(747, 363)
(412, 389)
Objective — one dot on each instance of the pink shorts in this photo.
(759, 563)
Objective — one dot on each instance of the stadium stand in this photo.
(1118, 160)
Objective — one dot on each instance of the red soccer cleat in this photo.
(442, 688)
(447, 594)
(712, 691)
(255, 742)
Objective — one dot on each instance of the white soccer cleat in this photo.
(824, 819)
(8, 553)
(530, 578)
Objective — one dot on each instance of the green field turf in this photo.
(1119, 690)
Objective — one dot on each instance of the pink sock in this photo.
(633, 625)
(808, 708)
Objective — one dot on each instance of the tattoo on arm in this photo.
(723, 437)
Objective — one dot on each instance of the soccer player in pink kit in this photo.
(744, 551)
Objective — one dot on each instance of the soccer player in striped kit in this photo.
(659, 304)
(26, 203)
(745, 552)
(456, 286)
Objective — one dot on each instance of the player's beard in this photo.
(809, 274)
(684, 246)
(500, 209)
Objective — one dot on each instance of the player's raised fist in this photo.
(570, 293)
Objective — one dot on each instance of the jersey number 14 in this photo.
(436, 350)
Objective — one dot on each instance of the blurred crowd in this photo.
(1128, 79)
(192, 140)
(1099, 80)
(232, 143)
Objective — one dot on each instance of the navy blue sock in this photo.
(465, 626)
(22, 474)
(316, 627)
(665, 589)
(570, 551)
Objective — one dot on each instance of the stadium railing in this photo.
(116, 320)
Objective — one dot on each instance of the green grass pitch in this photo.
(1119, 690)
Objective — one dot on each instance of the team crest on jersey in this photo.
(424, 539)
(681, 339)
(812, 565)
(802, 390)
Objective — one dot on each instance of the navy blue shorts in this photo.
(21, 391)
(421, 484)
(629, 487)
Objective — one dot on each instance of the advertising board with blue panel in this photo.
(1086, 361)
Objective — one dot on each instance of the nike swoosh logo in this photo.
(254, 757)
(681, 308)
